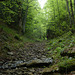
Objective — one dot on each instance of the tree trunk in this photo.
(74, 7)
(53, 9)
(69, 13)
(20, 19)
(25, 17)
(58, 8)
(72, 12)
(20, 16)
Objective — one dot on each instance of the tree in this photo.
(53, 8)
(74, 7)
(58, 8)
(69, 12)
(25, 17)
(20, 14)
(72, 12)
(2, 0)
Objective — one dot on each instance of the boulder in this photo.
(32, 63)
(39, 62)
(50, 70)
(10, 53)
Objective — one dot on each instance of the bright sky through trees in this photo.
(42, 2)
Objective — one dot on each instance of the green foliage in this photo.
(37, 21)
(58, 18)
(61, 44)
(67, 64)
(17, 37)
(6, 12)
(7, 29)
(58, 49)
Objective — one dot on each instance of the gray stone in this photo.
(32, 70)
(37, 62)
(10, 53)
(1, 62)
(31, 62)
(43, 56)
(47, 60)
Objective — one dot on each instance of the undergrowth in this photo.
(59, 45)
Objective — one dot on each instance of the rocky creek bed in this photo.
(31, 59)
(25, 61)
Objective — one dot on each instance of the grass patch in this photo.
(8, 30)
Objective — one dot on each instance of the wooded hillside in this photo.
(27, 17)
(37, 37)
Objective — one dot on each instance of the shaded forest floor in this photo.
(58, 54)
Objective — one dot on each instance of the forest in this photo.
(37, 37)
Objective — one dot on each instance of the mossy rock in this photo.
(50, 70)
(18, 37)
(69, 52)
(62, 67)
(67, 65)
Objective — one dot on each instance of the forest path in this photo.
(30, 59)
(30, 51)
(21, 60)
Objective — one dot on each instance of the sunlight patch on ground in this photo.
(42, 2)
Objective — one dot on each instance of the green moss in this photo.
(68, 65)
(7, 29)
(50, 69)
(62, 67)
(18, 37)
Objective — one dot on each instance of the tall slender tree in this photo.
(53, 8)
(74, 7)
(20, 15)
(72, 12)
(58, 8)
(25, 17)
(69, 12)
